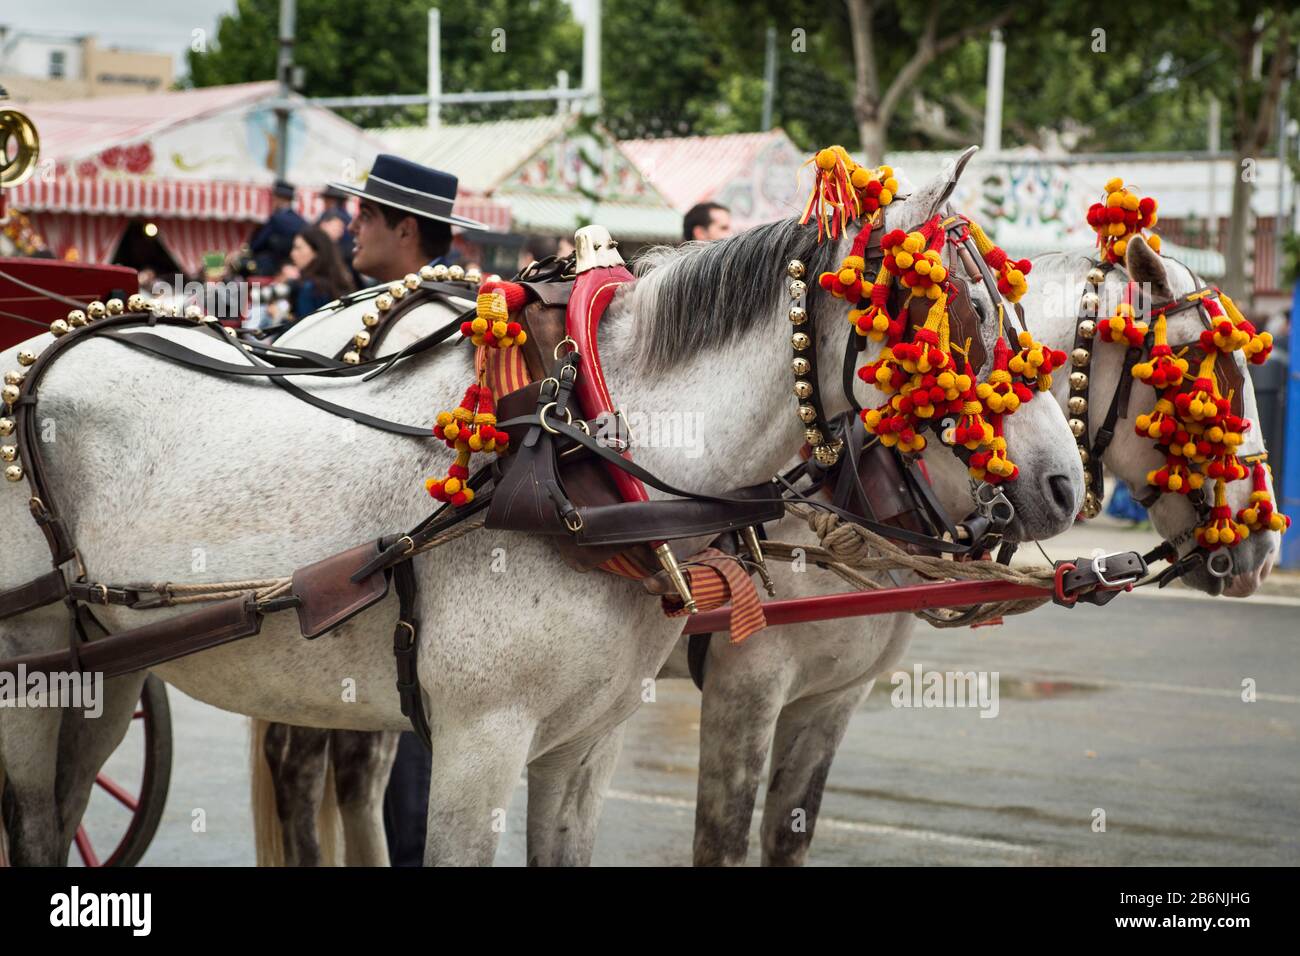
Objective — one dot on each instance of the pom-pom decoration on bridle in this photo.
(843, 191)
(471, 426)
(1120, 217)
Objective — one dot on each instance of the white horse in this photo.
(533, 674)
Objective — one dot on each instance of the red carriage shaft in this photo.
(885, 601)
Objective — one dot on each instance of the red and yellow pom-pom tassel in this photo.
(1203, 403)
(843, 191)
(1221, 531)
(1000, 394)
(1121, 328)
(492, 325)
(1119, 218)
(1012, 273)
(468, 428)
(1175, 477)
(1162, 369)
(992, 465)
(1260, 515)
(1034, 362)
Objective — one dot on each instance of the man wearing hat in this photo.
(405, 218)
(404, 223)
(335, 219)
(274, 238)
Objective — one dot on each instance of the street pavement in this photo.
(1135, 709)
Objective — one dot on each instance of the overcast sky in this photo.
(165, 26)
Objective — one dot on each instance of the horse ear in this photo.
(1145, 267)
(924, 202)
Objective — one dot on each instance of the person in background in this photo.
(316, 274)
(271, 243)
(705, 222)
(336, 219)
(535, 249)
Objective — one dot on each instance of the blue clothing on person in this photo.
(308, 298)
(271, 243)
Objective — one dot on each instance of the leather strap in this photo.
(406, 648)
(49, 588)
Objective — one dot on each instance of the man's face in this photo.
(376, 245)
(719, 226)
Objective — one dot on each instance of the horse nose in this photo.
(1062, 489)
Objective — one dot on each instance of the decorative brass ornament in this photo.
(473, 276)
(115, 307)
(397, 290)
(351, 357)
(440, 273)
(803, 389)
(14, 377)
(801, 366)
(1083, 455)
(96, 310)
(9, 452)
(1080, 357)
(361, 339)
(1096, 276)
(455, 273)
(411, 281)
(137, 303)
(807, 413)
(194, 313)
(1090, 302)
(76, 318)
(798, 315)
(1078, 381)
(6, 427)
(26, 357)
(1087, 479)
(827, 454)
(17, 129)
(1078, 405)
(798, 288)
(795, 269)
(426, 273)
(1091, 505)
(813, 436)
(59, 327)
(1078, 427)
(383, 302)
(369, 319)
(14, 473)
(800, 341)
(1087, 328)
(10, 394)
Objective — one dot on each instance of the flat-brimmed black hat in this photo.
(283, 189)
(413, 188)
(333, 192)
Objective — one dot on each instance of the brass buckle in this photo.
(573, 346)
(541, 417)
(410, 543)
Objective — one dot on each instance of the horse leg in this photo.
(566, 790)
(737, 719)
(362, 762)
(476, 766)
(297, 759)
(808, 733)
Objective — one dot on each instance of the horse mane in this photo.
(702, 295)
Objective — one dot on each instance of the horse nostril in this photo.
(1062, 493)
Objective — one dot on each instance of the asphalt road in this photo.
(1135, 709)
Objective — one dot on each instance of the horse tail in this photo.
(268, 837)
(329, 822)
(4, 842)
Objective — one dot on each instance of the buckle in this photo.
(1099, 569)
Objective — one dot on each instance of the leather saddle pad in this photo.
(326, 592)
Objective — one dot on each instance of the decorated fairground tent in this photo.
(755, 175)
(197, 165)
(554, 174)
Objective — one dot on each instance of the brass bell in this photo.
(411, 281)
(383, 302)
(813, 436)
(397, 290)
(362, 339)
(826, 454)
(194, 313)
(795, 269)
(797, 289)
(14, 473)
(14, 377)
(801, 366)
(177, 311)
(115, 307)
(473, 276)
(1078, 381)
(455, 273)
(10, 394)
(58, 327)
(426, 273)
(76, 318)
(1096, 276)
(798, 315)
(26, 357)
(1089, 302)
(800, 341)
(802, 388)
(1091, 505)
(352, 358)
(440, 273)
(1087, 328)
(1080, 357)
(6, 427)
(95, 310)
(1087, 479)
(1078, 427)
(369, 319)
(807, 414)
(137, 303)
(1078, 405)
(9, 452)
(1084, 457)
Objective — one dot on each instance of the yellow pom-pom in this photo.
(923, 267)
(1113, 185)
(479, 325)
(914, 242)
(498, 329)
(1120, 246)
(1154, 242)
(938, 273)
(1130, 202)
(827, 158)
(886, 196)
(904, 259)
